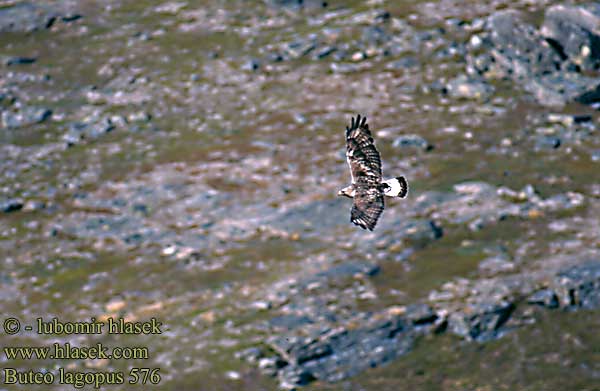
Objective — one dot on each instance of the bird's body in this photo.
(368, 187)
(394, 187)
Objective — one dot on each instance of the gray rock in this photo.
(25, 116)
(274, 57)
(251, 65)
(375, 35)
(349, 269)
(289, 321)
(324, 214)
(26, 17)
(292, 376)
(420, 232)
(129, 230)
(518, 47)
(544, 297)
(90, 130)
(469, 88)
(560, 202)
(403, 63)
(251, 355)
(335, 354)
(299, 4)
(496, 264)
(33, 205)
(297, 350)
(11, 205)
(420, 314)
(416, 233)
(579, 286)
(324, 52)
(17, 60)
(270, 365)
(516, 50)
(344, 67)
(70, 17)
(547, 142)
(569, 120)
(557, 89)
(412, 140)
(480, 321)
(574, 29)
(299, 48)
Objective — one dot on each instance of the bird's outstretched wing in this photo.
(362, 156)
(367, 207)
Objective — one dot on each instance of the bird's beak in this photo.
(340, 193)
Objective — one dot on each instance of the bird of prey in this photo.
(368, 187)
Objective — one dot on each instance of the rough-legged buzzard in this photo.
(368, 187)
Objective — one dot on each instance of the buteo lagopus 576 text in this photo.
(368, 187)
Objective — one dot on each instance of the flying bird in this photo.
(368, 187)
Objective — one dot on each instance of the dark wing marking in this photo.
(362, 156)
(367, 207)
(403, 186)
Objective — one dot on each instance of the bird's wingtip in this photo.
(358, 121)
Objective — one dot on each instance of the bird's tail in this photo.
(397, 187)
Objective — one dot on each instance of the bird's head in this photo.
(345, 192)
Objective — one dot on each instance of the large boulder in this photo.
(576, 32)
(519, 48)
